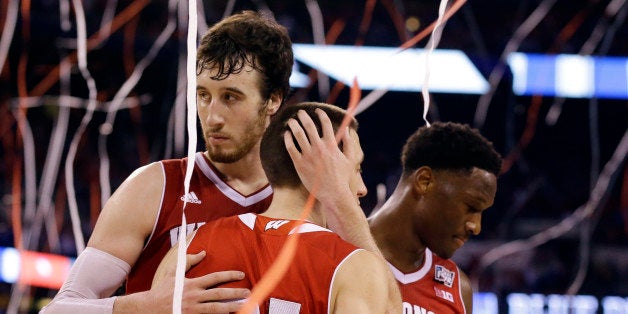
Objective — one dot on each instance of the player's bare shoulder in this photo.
(149, 176)
(130, 213)
(359, 286)
(140, 194)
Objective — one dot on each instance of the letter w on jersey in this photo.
(275, 224)
(174, 232)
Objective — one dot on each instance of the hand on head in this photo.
(320, 159)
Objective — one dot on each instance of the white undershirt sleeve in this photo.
(94, 276)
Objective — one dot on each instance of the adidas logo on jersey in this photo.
(275, 224)
(191, 198)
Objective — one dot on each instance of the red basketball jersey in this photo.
(433, 289)
(251, 243)
(209, 198)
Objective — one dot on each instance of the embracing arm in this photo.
(86, 290)
(115, 244)
(358, 288)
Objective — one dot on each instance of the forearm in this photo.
(93, 278)
(346, 218)
(132, 303)
(71, 303)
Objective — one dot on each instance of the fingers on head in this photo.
(298, 132)
(308, 124)
(327, 127)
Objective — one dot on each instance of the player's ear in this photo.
(422, 178)
(273, 103)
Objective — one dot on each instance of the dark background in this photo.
(547, 181)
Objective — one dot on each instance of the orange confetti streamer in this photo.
(408, 44)
(122, 18)
(21, 117)
(16, 212)
(449, 13)
(526, 137)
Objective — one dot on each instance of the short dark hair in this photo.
(276, 161)
(449, 146)
(249, 38)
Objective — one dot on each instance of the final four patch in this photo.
(444, 275)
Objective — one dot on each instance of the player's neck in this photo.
(245, 175)
(289, 203)
(405, 252)
(392, 230)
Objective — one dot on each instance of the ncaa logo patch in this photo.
(444, 275)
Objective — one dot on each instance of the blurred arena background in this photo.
(556, 239)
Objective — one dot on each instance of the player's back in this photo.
(251, 243)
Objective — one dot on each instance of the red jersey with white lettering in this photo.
(251, 243)
(433, 289)
(209, 198)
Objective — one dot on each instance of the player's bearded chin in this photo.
(244, 145)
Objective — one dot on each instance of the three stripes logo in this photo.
(191, 198)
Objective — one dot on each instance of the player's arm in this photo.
(320, 163)
(118, 238)
(321, 159)
(467, 291)
(115, 244)
(359, 286)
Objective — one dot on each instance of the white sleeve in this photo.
(94, 276)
